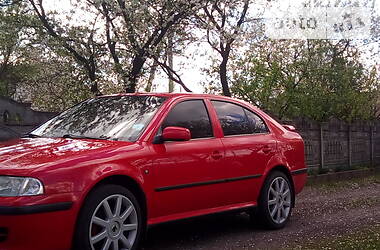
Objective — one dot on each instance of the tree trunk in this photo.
(3, 69)
(95, 89)
(170, 61)
(91, 72)
(133, 76)
(223, 76)
(152, 75)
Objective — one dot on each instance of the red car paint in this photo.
(70, 168)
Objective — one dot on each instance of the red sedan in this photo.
(98, 174)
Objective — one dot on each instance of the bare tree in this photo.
(222, 21)
(84, 49)
(140, 28)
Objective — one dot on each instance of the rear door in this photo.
(186, 172)
(249, 145)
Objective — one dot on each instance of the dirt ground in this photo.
(322, 214)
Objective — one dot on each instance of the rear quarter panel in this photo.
(291, 148)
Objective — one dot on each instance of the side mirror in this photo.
(176, 134)
(289, 127)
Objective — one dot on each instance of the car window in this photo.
(236, 120)
(114, 117)
(192, 115)
(257, 124)
(232, 118)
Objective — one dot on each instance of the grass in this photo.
(364, 202)
(353, 183)
(368, 239)
(361, 239)
(338, 168)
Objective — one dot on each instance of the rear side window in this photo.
(257, 124)
(232, 118)
(192, 115)
(236, 120)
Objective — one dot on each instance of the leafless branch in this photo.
(172, 74)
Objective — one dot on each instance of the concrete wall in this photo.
(18, 118)
(337, 144)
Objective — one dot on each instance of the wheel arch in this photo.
(116, 179)
(283, 169)
(124, 181)
(127, 182)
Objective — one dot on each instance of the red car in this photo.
(98, 174)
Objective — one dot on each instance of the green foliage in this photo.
(57, 58)
(34, 67)
(116, 35)
(12, 78)
(367, 239)
(314, 79)
(57, 85)
(9, 41)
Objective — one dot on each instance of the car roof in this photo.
(219, 97)
(179, 95)
(171, 95)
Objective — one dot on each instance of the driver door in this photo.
(187, 172)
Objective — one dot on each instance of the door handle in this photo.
(266, 149)
(216, 155)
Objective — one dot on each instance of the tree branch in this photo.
(111, 44)
(88, 63)
(172, 74)
(131, 31)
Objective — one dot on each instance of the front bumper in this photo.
(41, 225)
(35, 209)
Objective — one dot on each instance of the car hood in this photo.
(28, 154)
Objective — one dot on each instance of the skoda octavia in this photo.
(97, 175)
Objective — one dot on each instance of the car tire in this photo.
(110, 215)
(275, 202)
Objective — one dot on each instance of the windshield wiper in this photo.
(31, 135)
(70, 136)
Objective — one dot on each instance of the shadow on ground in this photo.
(322, 214)
(207, 232)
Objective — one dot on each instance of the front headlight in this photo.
(19, 186)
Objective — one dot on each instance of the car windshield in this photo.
(115, 117)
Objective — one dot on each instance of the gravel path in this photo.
(321, 213)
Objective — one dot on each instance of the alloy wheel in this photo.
(279, 200)
(114, 224)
